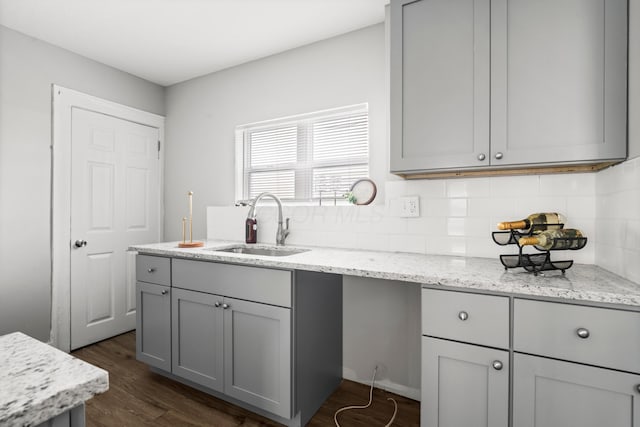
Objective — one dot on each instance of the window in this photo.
(305, 157)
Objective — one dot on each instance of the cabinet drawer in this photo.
(610, 338)
(153, 269)
(249, 283)
(478, 319)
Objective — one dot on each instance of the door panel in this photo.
(439, 84)
(258, 355)
(153, 337)
(558, 80)
(552, 393)
(197, 337)
(460, 387)
(114, 204)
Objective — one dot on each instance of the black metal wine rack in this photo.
(541, 261)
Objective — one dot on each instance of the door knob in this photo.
(80, 243)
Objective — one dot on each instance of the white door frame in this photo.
(64, 100)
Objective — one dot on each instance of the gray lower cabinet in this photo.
(240, 348)
(479, 84)
(554, 393)
(257, 354)
(72, 418)
(464, 383)
(461, 385)
(571, 365)
(197, 337)
(581, 367)
(267, 339)
(153, 321)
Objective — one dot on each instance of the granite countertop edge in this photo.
(580, 283)
(40, 382)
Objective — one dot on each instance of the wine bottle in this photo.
(565, 238)
(538, 219)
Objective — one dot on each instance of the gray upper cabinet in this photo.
(507, 83)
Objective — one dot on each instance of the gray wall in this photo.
(202, 114)
(28, 67)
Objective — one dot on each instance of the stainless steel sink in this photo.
(260, 250)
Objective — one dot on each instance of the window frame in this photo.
(303, 168)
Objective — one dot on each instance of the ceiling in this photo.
(169, 41)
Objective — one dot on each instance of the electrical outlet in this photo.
(409, 207)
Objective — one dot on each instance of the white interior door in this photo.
(115, 190)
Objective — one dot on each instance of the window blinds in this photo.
(315, 155)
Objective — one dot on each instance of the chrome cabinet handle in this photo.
(497, 365)
(481, 156)
(499, 155)
(164, 292)
(638, 388)
(217, 304)
(225, 306)
(583, 333)
(80, 243)
(151, 270)
(463, 315)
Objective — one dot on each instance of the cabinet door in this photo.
(258, 355)
(153, 325)
(551, 393)
(439, 84)
(198, 337)
(558, 80)
(461, 386)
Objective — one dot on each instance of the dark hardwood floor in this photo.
(139, 397)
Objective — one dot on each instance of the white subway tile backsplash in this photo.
(457, 207)
(471, 187)
(407, 243)
(457, 217)
(581, 184)
(528, 205)
(618, 219)
(515, 186)
(455, 226)
(581, 207)
(432, 188)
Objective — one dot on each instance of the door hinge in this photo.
(158, 149)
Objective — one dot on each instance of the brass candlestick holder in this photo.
(190, 243)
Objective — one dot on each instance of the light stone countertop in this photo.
(580, 283)
(39, 382)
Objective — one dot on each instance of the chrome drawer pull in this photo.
(497, 365)
(151, 270)
(583, 333)
(463, 315)
(217, 304)
(164, 292)
(638, 388)
(225, 306)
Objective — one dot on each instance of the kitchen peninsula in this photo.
(43, 386)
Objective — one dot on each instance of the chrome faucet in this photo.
(281, 233)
